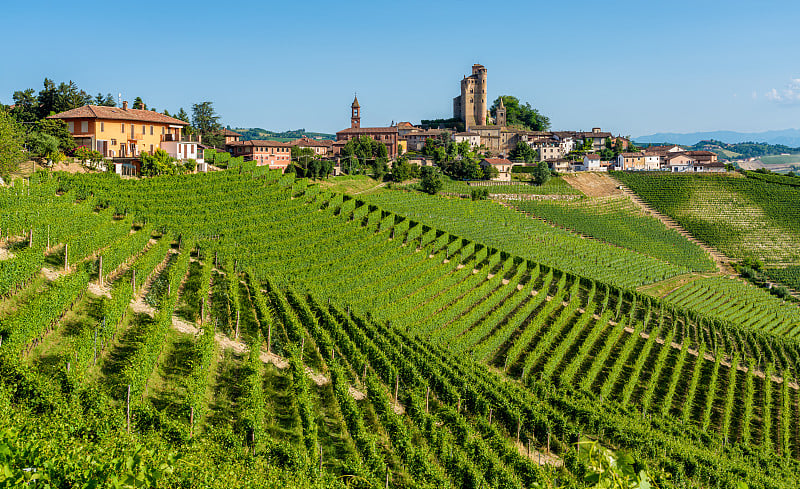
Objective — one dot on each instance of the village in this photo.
(121, 135)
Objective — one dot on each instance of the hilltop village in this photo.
(122, 135)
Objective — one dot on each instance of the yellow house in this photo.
(120, 132)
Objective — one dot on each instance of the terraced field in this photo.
(270, 332)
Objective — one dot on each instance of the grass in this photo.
(663, 288)
(554, 186)
(781, 159)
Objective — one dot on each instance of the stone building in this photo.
(386, 135)
(471, 106)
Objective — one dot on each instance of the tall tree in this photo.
(11, 141)
(205, 118)
(107, 100)
(26, 105)
(520, 115)
(53, 99)
(138, 103)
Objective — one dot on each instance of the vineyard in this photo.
(741, 217)
(554, 186)
(619, 221)
(245, 328)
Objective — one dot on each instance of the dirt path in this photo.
(593, 184)
(722, 262)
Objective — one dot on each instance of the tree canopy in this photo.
(11, 141)
(521, 115)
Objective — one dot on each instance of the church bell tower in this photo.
(355, 116)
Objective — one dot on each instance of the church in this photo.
(386, 135)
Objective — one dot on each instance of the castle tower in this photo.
(500, 118)
(355, 116)
(471, 106)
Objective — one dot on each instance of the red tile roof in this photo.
(593, 156)
(308, 142)
(255, 142)
(497, 161)
(228, 132)
(366, 130)
(116, 113)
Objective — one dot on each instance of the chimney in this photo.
(144, 106)
(125, 105)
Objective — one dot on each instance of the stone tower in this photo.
(500, 117)
(355, 116)
(471, 106)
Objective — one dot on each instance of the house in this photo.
(120, 132)
(678, 162)
(184, 150)
(560, 165)
(503, 168)
(275, 154)
(638, 161)
(548, 149)
(596, 138)
(591, 162)
(320, 148)
(473, 138)
(230, 136)
(416, 139)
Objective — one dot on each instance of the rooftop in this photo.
(117, 113)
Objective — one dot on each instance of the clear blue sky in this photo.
(632, 67)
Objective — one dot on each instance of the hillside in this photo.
(267, 332)
(786, 137)
(256, 133)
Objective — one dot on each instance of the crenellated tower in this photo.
(471, 106)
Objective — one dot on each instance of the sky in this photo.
(630, 67)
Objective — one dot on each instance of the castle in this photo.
(471, 106)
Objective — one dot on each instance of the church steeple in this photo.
(500, 114)
(355, 116)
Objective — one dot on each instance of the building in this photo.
(416, 139)
(503, 168)
(275, 154)
(592, 162)
(473, 138)
(120, 132)
(471, 105)
(386, 135)
(597, 138)
(321, 147)
(230, 136)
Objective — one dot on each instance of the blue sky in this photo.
(629, 67)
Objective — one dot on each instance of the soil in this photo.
(593, 184)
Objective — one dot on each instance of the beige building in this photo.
(503, 168)
(416, 139)
(473, 138)
(471, 105)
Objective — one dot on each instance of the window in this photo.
(162, 129)
(151, 149)
(123, 127)
(102, 126)
(71, 126)
(143, 128)
(151, 129)
(84, 126)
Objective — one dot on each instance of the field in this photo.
(741, 217)
(617, 220)
(781, 160)
(554, 186)
(264, 331)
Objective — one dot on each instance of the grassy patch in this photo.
(351, 184)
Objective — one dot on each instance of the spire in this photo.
(501, 106)
(355, 102)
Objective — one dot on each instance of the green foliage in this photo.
(402, 170)
(479, 194)
(138, 103)
(541, 174)
(612, 470)
(160, 163)
(58, 129)
(519, 115)
(523, 151)
(431, 180)
(11, 140)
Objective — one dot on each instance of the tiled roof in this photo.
(257, 142)
(116, 113)
(593, 156)
(366, 130)
(228, 132)
(497, 161)
(468, 133)
(311, 142)
(594, 135)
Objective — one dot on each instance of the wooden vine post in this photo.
(269, 334)
(396, 388)
(66, 256)
(128, 410)
(427, 395)
(100, 271)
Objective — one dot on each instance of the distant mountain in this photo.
(786, 137)
(251, 133)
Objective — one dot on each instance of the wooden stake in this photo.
(133, 280)
(237, 326)
(48, 236)
(490, 415)
(269, 338)
(128, 410)
(396, 388)
(519, 427)
(66, 256)
(100, 272)
(548, 442)
(302, 347)
(68, 365)
(427, 395)
(191, 420)
(386, 486)
(459, 405)
(363, 376)
(30, 239)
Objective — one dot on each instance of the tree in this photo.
(138, 103)
(431, 182)
(519, 115)
(523, 151)
(490, 172)
(160, 163)
(65, 96)
(43, 145)
(541, 174)
(26, 105)
(205, 118)
(107, 100)
(58, 129)
(402, 170)
(380, 167)
(11, 140)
